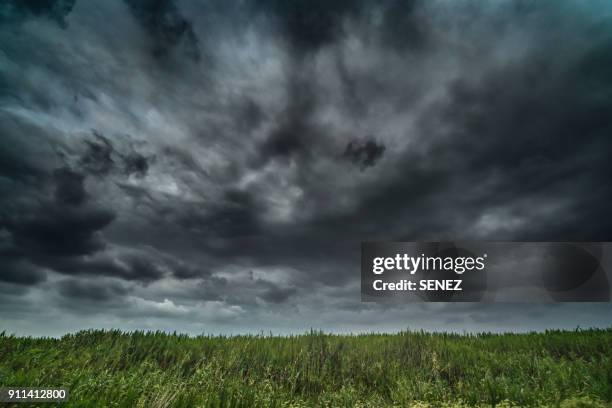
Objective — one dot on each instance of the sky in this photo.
(212, 166)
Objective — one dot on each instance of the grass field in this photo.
(115, 369)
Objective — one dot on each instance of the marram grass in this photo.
(409, 369)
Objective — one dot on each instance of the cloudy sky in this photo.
(212, 166)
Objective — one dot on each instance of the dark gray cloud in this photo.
(136, 163)
(69, 188)
(278, 295)
(230, 178)
(53, 229)
(309, 25)
(134, 265)
(90, 290)
(167, 27)
(20, 271)
(364, 153)
(100, 157)
(295, 131)
(19, 10)
(404, 26)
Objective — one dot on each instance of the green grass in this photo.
(115, 369)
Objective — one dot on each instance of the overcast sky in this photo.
(213, 166)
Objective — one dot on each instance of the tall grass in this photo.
(155, 369)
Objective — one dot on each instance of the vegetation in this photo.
(139, 369)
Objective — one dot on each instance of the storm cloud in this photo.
(214, 166)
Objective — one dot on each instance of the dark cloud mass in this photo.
(69, 188)
(99, 157)
(90, 291)
(364, 153)
(167, 27)
(214, 166)
(309, 25)
(19, 10)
